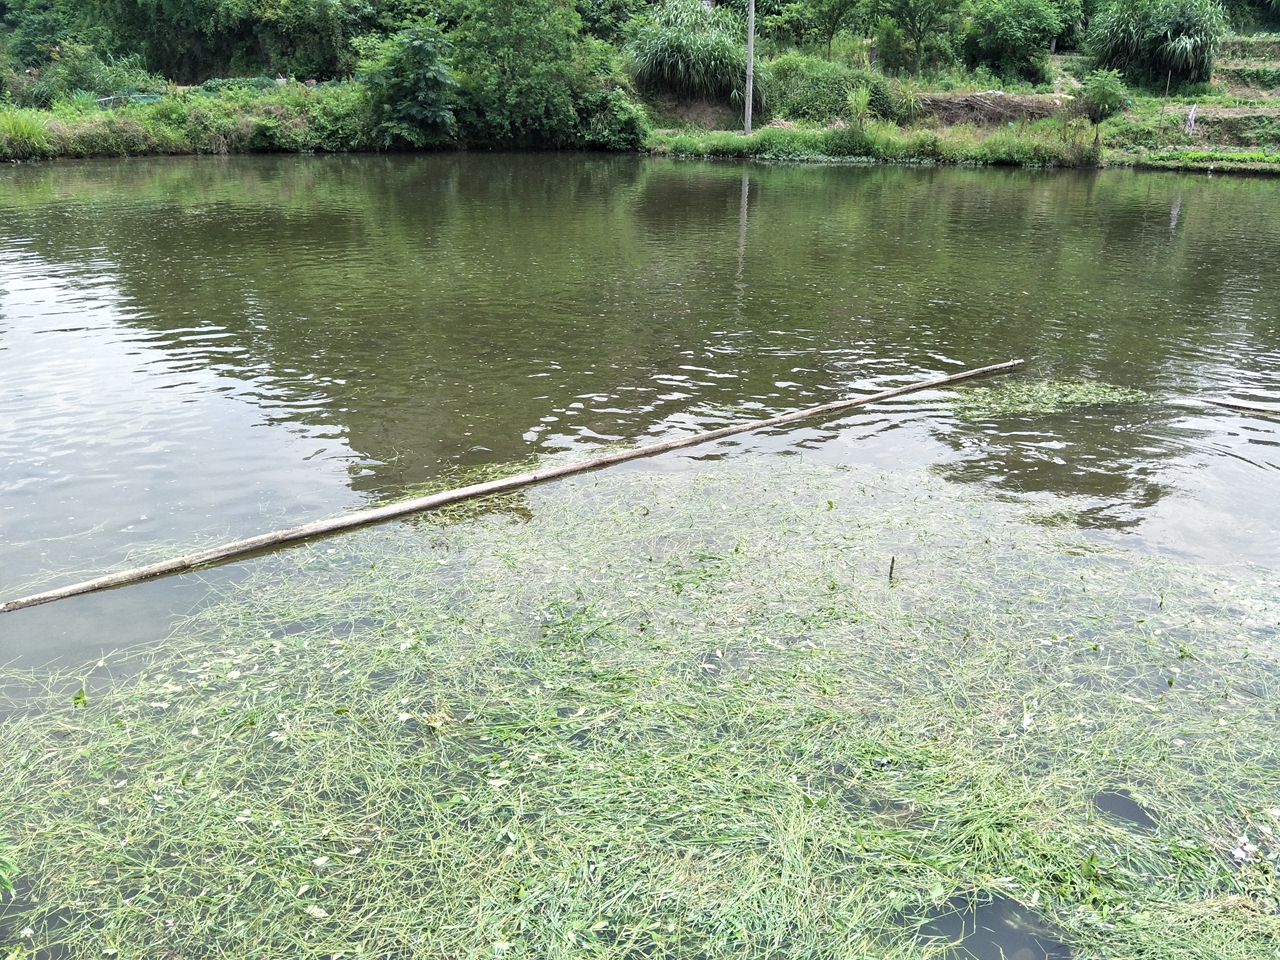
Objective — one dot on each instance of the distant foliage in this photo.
(915, 24)
(1011, 37)
(608, 19)
(692, 51)
(411, 88)
(76, 68)
(1104, 94)
(810, 88)
(1150, 41)
(191, 40)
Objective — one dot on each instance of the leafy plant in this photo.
(1104, 94)
(608, 19)
(1155, 41)
(907, 101)
(528, 78)
(516, 70)
(829, 17)
(1011, 37)
(860, 106)
(411, 87)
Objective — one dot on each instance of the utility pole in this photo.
(751, 62)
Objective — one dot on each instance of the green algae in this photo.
(1022, 398)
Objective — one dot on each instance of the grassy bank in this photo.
(288, 118)
(687, 715)
(812, 117)
(1045, 144)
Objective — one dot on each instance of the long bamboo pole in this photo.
(1271, 408)
(350, 521)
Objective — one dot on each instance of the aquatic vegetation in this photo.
(1020, 397)
(683, 713)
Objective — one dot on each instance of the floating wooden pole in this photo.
(352, 520)
(1271, 408)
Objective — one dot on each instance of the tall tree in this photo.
(829, 17)
(918, 19)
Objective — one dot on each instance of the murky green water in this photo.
(202, 349)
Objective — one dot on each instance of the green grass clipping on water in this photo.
(682, 714)
(1020, 398)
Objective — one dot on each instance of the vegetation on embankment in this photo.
(1038, 145)
(83, 79)
(686, 714)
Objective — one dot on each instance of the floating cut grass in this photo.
(680, 715)
(1016, 398)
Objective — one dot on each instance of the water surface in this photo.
(202, 349)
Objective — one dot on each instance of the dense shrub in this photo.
(516, 70)
(1011, 37)
(410, 87)
(1151, 41)
(528, 78)
(76, 67)
(608, 19)
(914, 24)
(692, 51)
(610, 120)
(810, 88)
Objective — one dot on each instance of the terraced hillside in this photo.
(1237, 126)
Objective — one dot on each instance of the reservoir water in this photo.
(195, 350)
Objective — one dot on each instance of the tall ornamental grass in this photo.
(1159, 41)
(692, 51)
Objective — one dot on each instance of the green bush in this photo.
(411, 87)
(1104, 94)
(1153, 41)
(611, 120)
(810, 88)
(608, 19)
(218, 84)
(692, 51)
(516, 70)
(1011, 37)
(528, 78)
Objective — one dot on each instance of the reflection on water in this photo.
(200, 349)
